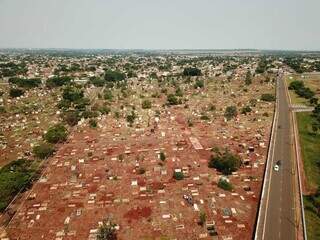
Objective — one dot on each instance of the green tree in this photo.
(294, 85)
(225, 162)
(55, 134)
(230, 112)
(58, 81)
(44, 150)
(248, 79)
(246, 110)
(114, 76)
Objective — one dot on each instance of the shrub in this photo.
(93, 123)
(225, 185)
(178, 175)
(204, 117)
(90, 114)
(202, 218)
(253, 102)
(179, 92)
(107, 231)
(71, 118)
(146, 104)
(131, 117)
(72, 94)
(16, 92)
(43, 151)
(162, 156)
(104, 110)
(212, 107)
(246, 110)
(2, 109)
(141, 171)
(172, 100)
(108, 95)
(230, 112)
(55, 134)
(117, 115)
(98, 82)
(225, 162)
(199, 84)
(267, 97)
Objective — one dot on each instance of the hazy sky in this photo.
(160, 24)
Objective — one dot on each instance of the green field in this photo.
(310, 149)
(310, 80)
(312, 219)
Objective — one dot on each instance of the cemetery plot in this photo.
(24, 121)
(149, 172)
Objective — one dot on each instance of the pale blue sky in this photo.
(161, 24)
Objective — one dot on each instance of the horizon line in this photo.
(159, 49)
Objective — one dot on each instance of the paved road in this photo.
(277, 214)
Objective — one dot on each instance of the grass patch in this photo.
(310, 149)
(312, 220)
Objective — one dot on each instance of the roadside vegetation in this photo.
(14, 177)
(312, 213)
(309, 127)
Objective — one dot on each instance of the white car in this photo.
(276, 168)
